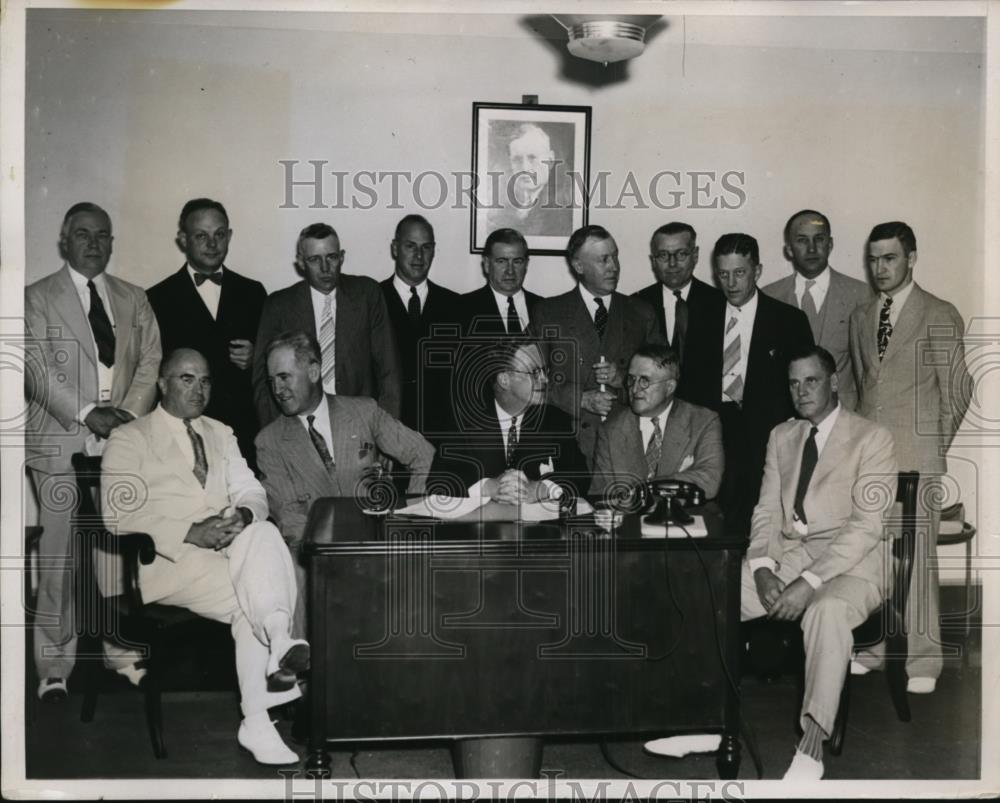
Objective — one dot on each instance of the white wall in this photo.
(868, 119)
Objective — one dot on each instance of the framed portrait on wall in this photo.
(532, 168)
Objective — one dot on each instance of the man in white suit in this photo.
(658, 435)
(826, 297)
(217, 555)
(817, 548)
(93, 353)
(908, 356)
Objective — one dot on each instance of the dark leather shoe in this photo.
(285, 663)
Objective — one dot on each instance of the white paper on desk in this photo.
(439, 506)
(695, 529)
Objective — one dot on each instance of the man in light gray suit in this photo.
(658, 435)
(909, 361)
(824, 295)
(93, 356)
(323, 444)
(818, 545)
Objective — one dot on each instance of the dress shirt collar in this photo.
(748, 309)
(321, 420)
(825, 427)
(80, 282)
(822, 284)
(404, 290)
(670, 298)
(898, 300)
(175, 424)
(504, 417)
(590, 304)
(319, 299)
(662, 418)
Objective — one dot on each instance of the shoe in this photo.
(921, 685)
(803, 768)
(858, 668)
(287, 659)
(680, 746)
(259, 736)
(52, 690)
(133, 673)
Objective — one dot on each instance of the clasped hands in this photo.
(785, 603)
(513, 487)
(102, 420)
(218, 531)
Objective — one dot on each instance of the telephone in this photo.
(670, 498)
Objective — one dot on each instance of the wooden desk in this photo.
(428, 629)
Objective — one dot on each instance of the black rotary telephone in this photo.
(670, 497)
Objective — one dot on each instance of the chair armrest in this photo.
(136, 549)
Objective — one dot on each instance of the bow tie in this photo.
(201, 278)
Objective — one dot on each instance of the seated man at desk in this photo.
(324, 445)
(510, 445)
(817, 548)
(216, 554)
(658, 435)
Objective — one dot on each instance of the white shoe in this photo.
(804, 768)
(288, 657)
(680, 746)
(258, 735)
(921, 685)
(858, 668)
(133, 673)
(52, 690)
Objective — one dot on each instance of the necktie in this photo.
(730, 359)
(511, 441)
(809, 306)
(100, 325)
(809, 458)
(200, 461)
(413, 307)
(320, 444)
(513, 322)
(680, 323)
(653, 449)
(328, 344)
(884, 328)
(600, 317)
(214, 278)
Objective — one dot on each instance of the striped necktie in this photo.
(328, 345)
(653, 449)
(730, 359)
(200, 460)
(809, 307)
(320, 444)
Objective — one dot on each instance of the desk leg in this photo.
(317, 764)
(727, 762)
(508, 757)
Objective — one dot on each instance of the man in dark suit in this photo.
(322, 444)
(346, 314)
(909, 360)
(676, 296)
(501, 306)
(215, 311)
(738, 365)
(512, 447)
(658, 435)
(589, 333)
(826, 297)
(417, 307)
(97, 350)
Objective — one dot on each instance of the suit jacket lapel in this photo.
(68, 303)
(759, 337)
(675, 438)
(167, 446)
(632, 448)
(302, 311)
(785, 291)
(298, 442)
(833, 449)
(907, 324)
(792, 465)
(582, 331)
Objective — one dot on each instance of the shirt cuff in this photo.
(812, 579)
(82, 415)
(477, 489)
(763, 563)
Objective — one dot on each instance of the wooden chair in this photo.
(153, 628)
(888, 622)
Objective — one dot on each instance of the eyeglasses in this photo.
(535, 373)
(666, 257)
(188, 380)
(642, 382)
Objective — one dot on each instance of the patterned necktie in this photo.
(809, 457)
(328, 344)
(600, 317)
(214, 278)
(884, 328)
(653, 449)
(513, 322)
(680, 323)
(100, 325)
(320, 444)
(200, 461)
(730, 359)
(511, 441)
(413, 307)
(809, 306)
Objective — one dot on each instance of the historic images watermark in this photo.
(313, 184)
